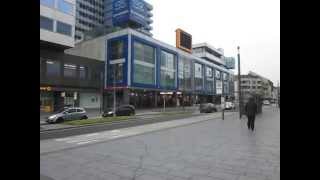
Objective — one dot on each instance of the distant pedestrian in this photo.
(251, 110)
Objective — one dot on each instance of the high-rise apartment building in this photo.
(137, 4)
(94, 16)
(89, 15)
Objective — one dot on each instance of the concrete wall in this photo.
(94, 49)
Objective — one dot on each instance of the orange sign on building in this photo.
(184, 40)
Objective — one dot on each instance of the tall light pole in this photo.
(114, 91)
(101, 91)
(239, 83)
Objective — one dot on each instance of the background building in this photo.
(89, 15)
(57, 23)
(95, 17)
(141, 6)
(253, 84)
(139, 68)
(65, 79)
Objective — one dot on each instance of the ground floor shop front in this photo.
(55, 98)
(146, 98)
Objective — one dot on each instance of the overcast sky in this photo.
(254, 25)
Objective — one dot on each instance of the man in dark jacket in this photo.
(251, 110)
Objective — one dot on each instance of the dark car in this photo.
(207, 108)
(124, 110)
(74, 113)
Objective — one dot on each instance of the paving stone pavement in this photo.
(211, 150)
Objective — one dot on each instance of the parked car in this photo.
(207, 108)
(229, 106)
(73, 113)
(124, 110)
(266, 102)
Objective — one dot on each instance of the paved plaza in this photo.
(211, 149)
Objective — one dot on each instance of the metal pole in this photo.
(239, 83)
(164, 103)
(223, 106)
(114, 91)
(102, 84)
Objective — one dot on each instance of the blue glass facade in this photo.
(146, 64)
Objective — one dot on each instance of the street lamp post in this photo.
(114, 91)
(239, 83)
(101, 91)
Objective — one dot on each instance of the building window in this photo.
(70, 70)
(184, 69)
(65, 7)
(64, 28)
(116, 50)
(225, 76)
(209, 80)
(198, 74)
(116, 71)
(82, 72)
(46, 23)
(209, 73)
(49, 3)
(218, 75)
(168, 69)
(53, 68)
(116, 68)
(144, 64)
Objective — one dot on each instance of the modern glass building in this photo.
(95, 15)
(138, 68)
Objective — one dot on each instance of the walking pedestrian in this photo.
(251, 110)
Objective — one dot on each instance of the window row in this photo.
(61, 5)
(86, 23)
(55, 26)
(91, 17)
(95, 3)
(91, 9)
(144, 68)
(70, 70)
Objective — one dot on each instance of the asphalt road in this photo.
(117, 125)
(211, 149)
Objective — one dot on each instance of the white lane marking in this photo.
(86, 142)
(115, 131)
(63, 139)
(93, 134)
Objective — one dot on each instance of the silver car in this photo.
(74, 113)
